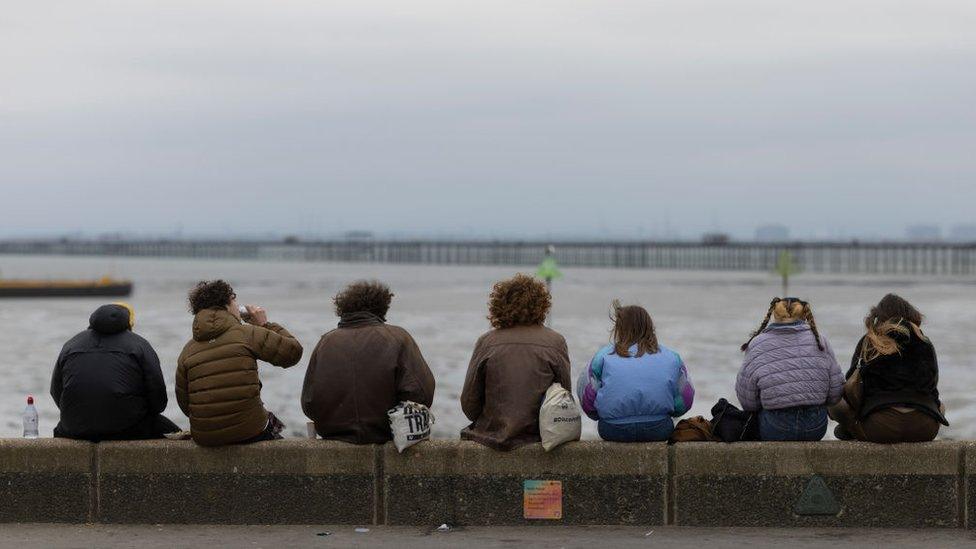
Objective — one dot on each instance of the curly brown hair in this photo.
(208, 294)
(364, 295)
(518, 301)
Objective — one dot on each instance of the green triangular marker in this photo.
(817, 500)
(786, 267)
(548, 269)
(549, 272)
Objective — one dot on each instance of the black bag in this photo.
(731, 424)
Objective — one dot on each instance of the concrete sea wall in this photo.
(320, 482)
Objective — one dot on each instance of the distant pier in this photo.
(893, 258)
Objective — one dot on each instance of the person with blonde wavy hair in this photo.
(899, 377)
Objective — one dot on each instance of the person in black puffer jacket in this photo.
(900, 377)
(108, 384)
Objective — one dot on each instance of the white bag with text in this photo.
(410, 423)
(559, 418)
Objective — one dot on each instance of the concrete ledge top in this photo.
(596, 458)
(456, 457)
(825, 457)
(970, 457)
(289, 456)
(20, 455)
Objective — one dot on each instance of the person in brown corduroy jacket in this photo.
(512, 367)
(217, 383)
(363, 368)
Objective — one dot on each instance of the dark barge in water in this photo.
(105, 287)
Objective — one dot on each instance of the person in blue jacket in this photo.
(634, 386)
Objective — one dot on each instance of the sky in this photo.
(501, 119)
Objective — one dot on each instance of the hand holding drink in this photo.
(252, 314)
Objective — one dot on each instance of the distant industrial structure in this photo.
(716, 252)
(923, 233)
(772, 233)
(963, 233)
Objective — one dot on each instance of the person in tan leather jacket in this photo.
(512, 367)
(361, 369)
(217, 383)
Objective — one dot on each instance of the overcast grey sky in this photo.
(492, 118)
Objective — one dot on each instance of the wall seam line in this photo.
(963, 490)
(96, 496)
(379, 486)
(669, 490)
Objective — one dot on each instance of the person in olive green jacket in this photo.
(217, 383)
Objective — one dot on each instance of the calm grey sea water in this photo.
(703, 315)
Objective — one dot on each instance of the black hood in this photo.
(109, 319)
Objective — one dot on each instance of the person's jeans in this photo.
(641, 431)
(798, 423)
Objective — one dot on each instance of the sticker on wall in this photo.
(542, 499)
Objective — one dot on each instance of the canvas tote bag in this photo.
(559, 418)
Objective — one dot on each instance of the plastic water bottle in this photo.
(30, 418)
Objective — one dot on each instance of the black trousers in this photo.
(150, 427)
(271, 432)
(889, 425)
